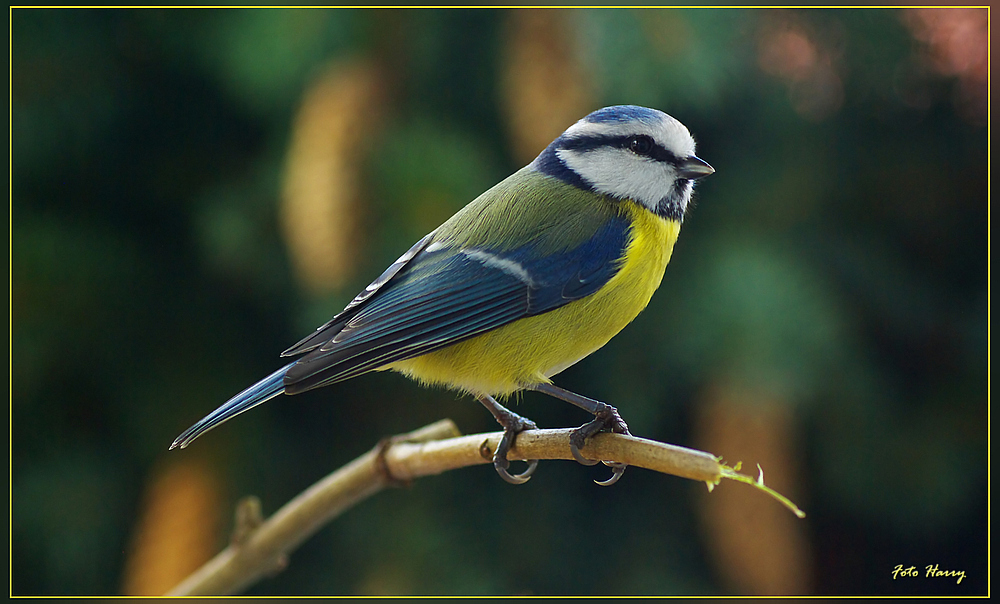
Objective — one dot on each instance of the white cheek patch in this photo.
(621, 173)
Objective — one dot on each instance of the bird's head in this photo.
(628, 152)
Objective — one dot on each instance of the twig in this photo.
(259, 548)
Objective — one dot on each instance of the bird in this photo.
(538, 272)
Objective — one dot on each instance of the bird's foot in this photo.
(606, 418)
(513, 424)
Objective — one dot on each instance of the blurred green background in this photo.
(194, 190)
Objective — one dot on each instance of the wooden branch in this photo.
(260, 547)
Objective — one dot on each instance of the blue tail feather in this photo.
(259, 393)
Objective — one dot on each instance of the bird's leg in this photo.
(513, 424)
(606, 417)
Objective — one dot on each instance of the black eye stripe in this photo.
(591, 143)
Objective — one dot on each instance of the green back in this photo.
(529, 207)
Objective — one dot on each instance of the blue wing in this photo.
(441, 297)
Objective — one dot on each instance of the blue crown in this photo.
(624, 113)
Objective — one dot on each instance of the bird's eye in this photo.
(641, 145)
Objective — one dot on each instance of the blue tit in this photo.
(530, 277)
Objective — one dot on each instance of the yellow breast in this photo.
(531, 350)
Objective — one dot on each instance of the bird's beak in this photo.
(694, 167)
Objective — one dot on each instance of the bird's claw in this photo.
(514, 478)
(575, 450)
(617, 469)
(513, 424)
